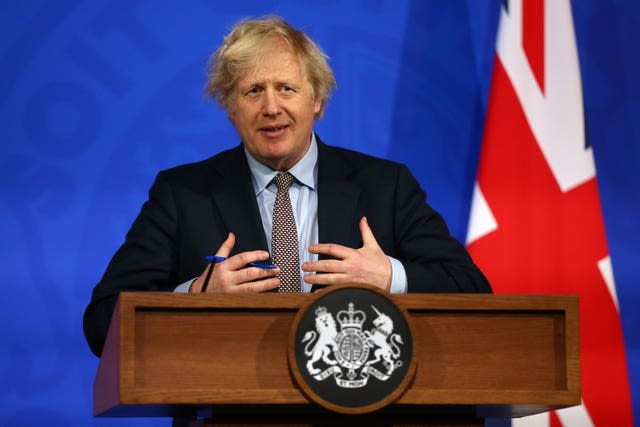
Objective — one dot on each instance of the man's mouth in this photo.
(274, 131)
(273, 128)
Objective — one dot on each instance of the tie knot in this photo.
(283, 181)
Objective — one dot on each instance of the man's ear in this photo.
(231, 111)
(317, 107)
(231, 114)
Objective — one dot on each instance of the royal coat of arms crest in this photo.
(343, 350)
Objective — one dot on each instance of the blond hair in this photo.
(243, 46)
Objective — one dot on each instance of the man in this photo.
(355, 218)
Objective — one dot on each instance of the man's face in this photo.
(274, 109)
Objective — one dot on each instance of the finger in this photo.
(227, 246)
(257, 286)
(327, 279)
(251, 274)
(331, 249)
(241, 260)
(368, 239)
(325, 265)
(198, 283)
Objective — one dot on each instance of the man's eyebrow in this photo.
(287, 81)
(248, 83)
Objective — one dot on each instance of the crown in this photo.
(351, 318)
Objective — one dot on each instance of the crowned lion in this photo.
(326, 332)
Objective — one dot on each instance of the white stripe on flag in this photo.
(555, 115)
(482, 220)
(576, 416)
(539, 420)
(604, 265)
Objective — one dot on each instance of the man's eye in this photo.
(287, 90)
(254, 91)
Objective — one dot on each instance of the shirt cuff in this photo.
(398, 277)
(184, 287)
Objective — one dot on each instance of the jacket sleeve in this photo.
(433, 259)
(145, 262)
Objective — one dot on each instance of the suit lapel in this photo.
(338, 200)
(235, 199)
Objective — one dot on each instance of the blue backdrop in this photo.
(97, 96)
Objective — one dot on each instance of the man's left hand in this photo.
(367, 265)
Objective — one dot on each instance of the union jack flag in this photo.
(536, 224)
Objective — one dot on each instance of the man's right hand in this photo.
(234, 275)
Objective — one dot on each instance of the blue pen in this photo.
(259, 264)
(263, 264)
(213, 260)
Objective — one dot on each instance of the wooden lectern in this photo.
(223, 358)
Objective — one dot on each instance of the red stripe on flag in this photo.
(550, 242)
(533, 37)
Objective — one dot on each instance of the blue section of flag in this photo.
(441, 99)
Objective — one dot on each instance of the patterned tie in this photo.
(284, 237)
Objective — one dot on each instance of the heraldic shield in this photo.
(351, 349)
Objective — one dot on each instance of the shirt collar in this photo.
(303, 171)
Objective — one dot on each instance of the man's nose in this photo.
(271, 106)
